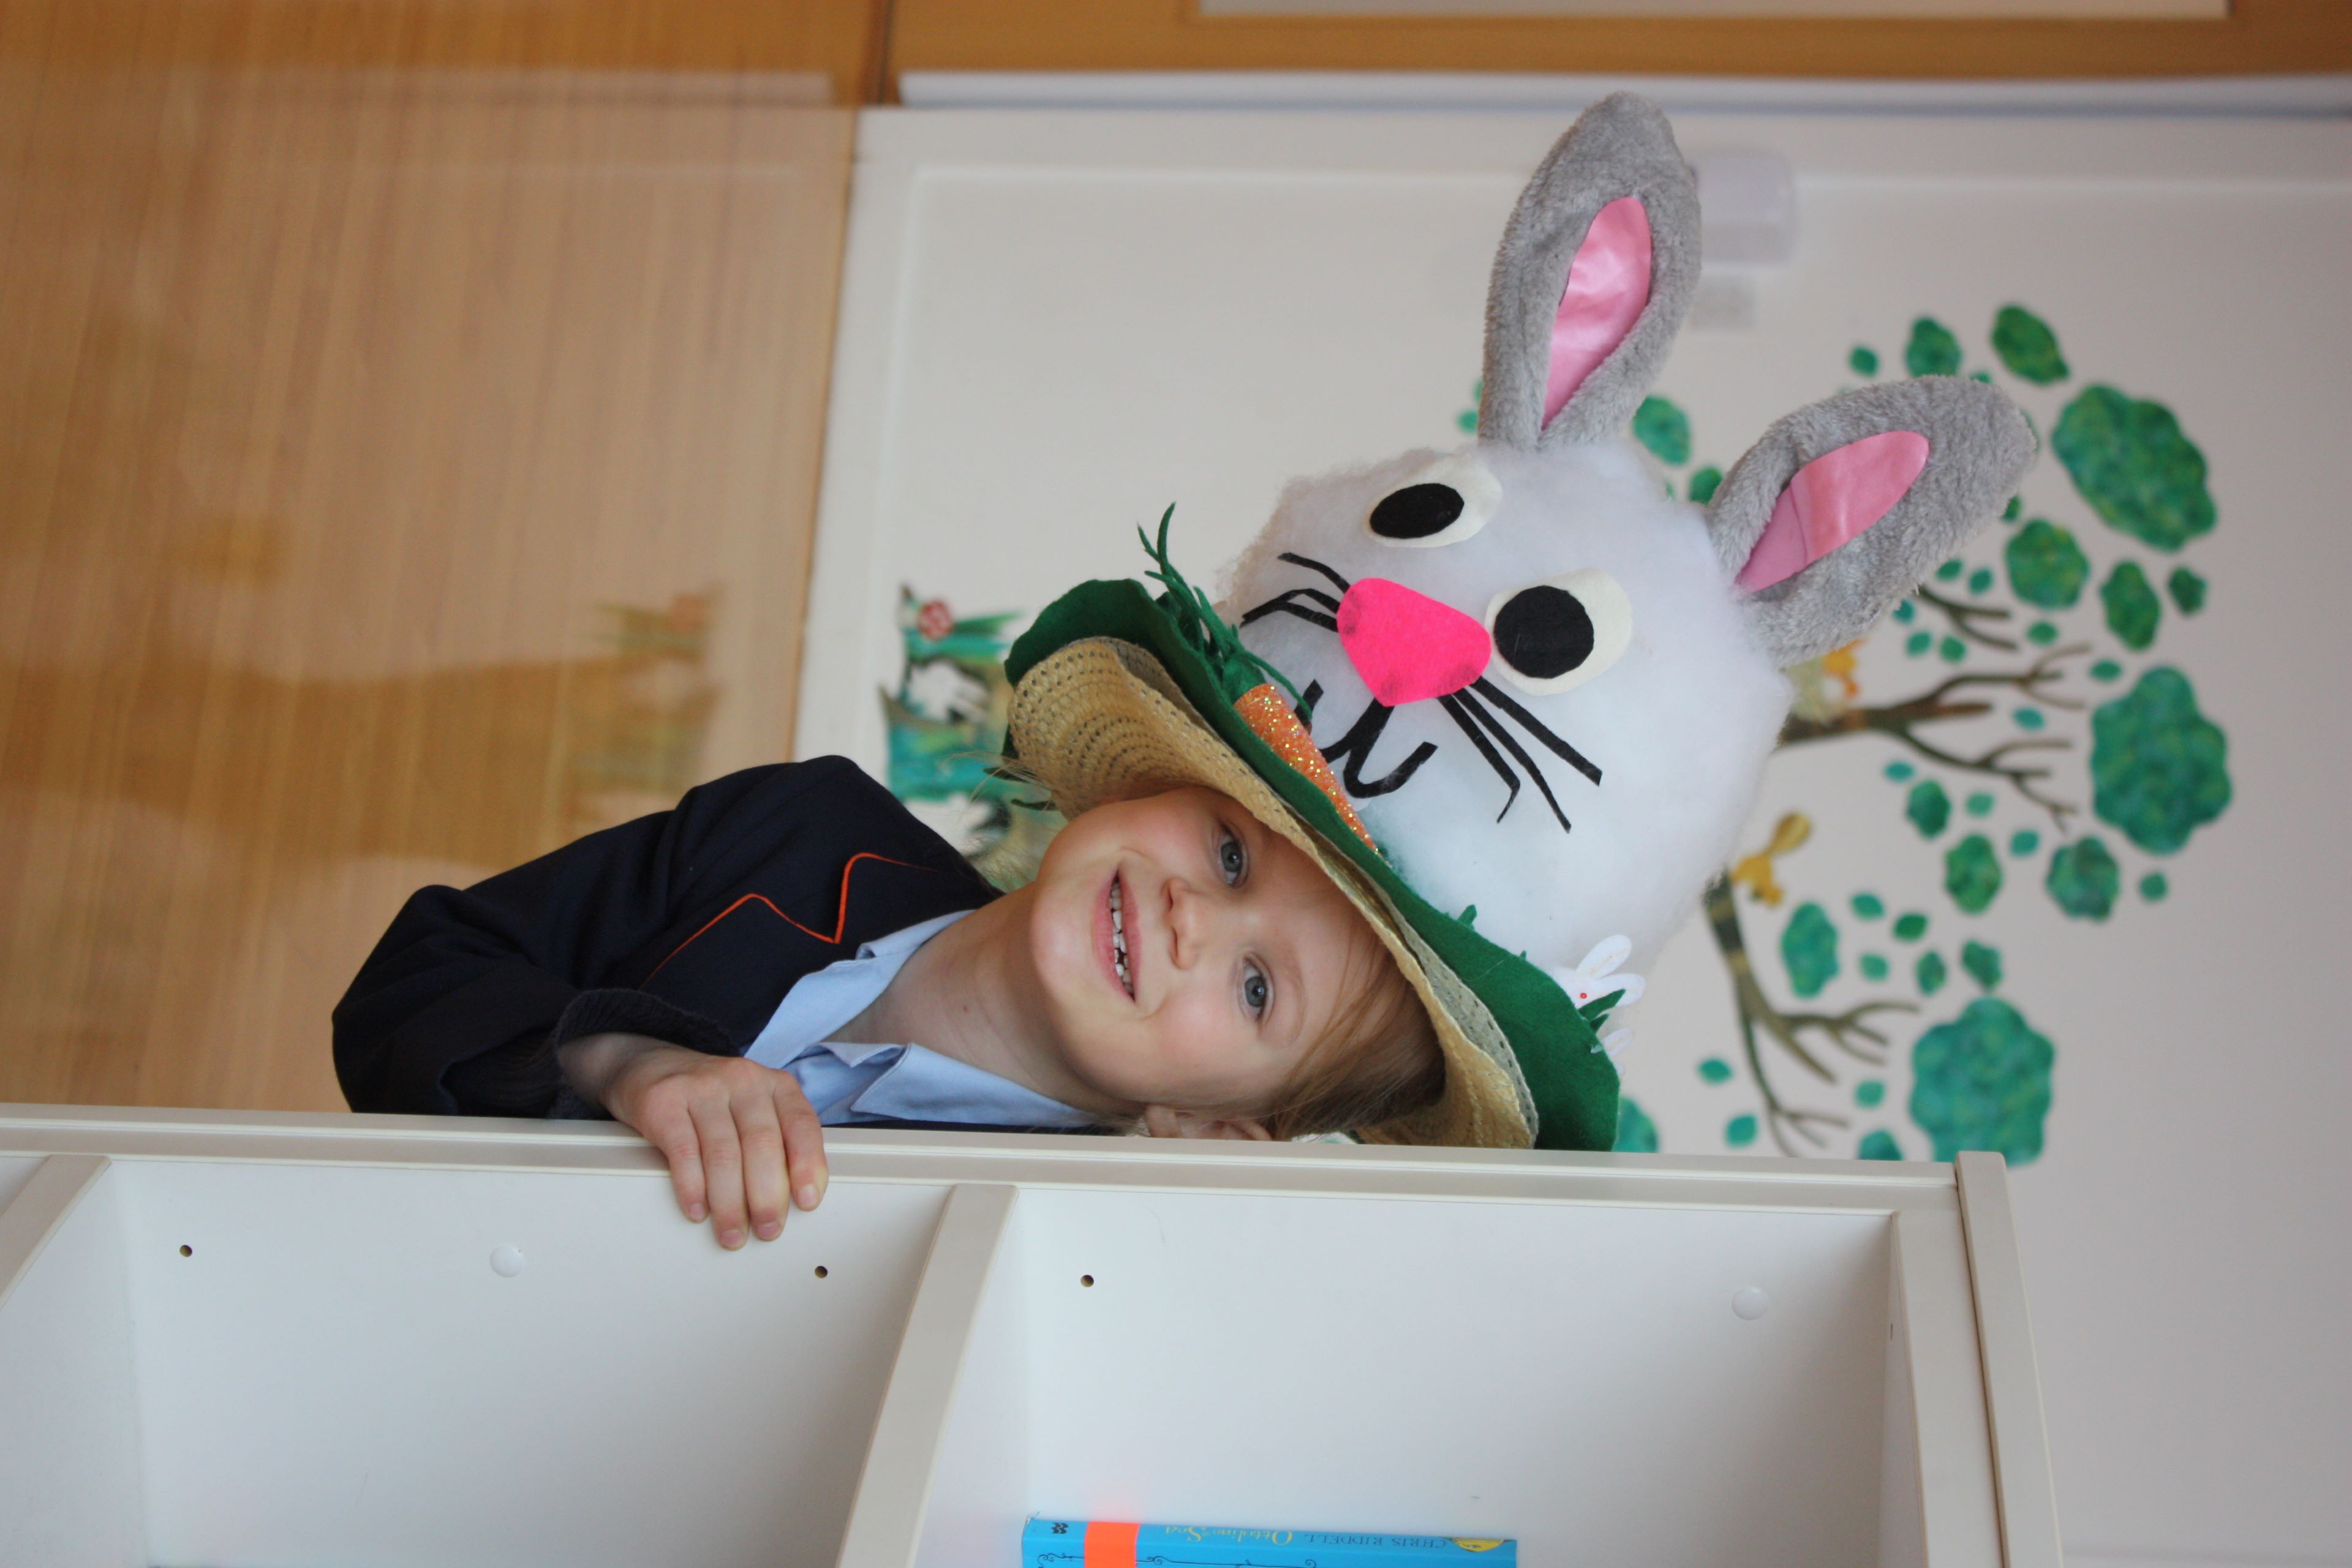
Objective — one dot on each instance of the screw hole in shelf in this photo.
(822, 1271)
(187, 1251)
(1087, 1280)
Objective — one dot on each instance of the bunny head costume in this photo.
(1529, 683)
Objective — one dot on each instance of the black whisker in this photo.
(1312, 595)
(1328, 623)
(1453, 707)
(1307, 701)
(1313, 565)
(1535, 726)
(1357, 746)
(1515, 749)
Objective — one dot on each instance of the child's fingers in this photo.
(763, 1160)
(804, 1141)
(670, 1129)
(722, 1167)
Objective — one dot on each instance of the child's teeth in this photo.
(1118, 938)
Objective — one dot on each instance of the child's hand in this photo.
(735, 1134)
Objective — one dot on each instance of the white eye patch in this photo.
(1561, 632)
(1445, 503)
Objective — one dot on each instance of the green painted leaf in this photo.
(1872, 967)
(1869, 906)
(2154, 886)
(1982, 963)
(2046, 567)
(1664, 429)
(1972, 873)
(1878, 1144)
(2025, 842)
(1930, 973)
(2027, 346)
(2132, 606)
(1928, 807)
(1636, 1134)
(1740, 1131)
(2159, 769)
(2188, 590)
(2131, 462)
(1715, 1069)
(1910, 927)
(1809, 947)
(1862, 360)
(1869, 1093)
(1983, 1082)
(1933, 350)
(1704, 483)
(2083, 879)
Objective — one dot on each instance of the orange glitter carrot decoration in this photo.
(1264, 711)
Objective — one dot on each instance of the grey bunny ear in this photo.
(1593, 278)
(1843, 508)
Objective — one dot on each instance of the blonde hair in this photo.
(1377, 1060)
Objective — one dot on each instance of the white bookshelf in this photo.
(282, 1340)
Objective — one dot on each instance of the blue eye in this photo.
(1232, 859)
(1256, 991)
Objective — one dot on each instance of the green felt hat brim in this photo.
(1570, 1078)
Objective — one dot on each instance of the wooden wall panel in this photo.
(400, 473)
(835, 45)
(2260, 36)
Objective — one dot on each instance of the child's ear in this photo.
(1593, 277)
(1843, 508)
(1166, 1121)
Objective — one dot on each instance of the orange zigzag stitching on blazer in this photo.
(840, 914)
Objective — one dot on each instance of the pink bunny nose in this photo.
(1407, 645)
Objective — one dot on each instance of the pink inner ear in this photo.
(1608, 284)
(1832, 499)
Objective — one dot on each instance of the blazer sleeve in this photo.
(459, 1008)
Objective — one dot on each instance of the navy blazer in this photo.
(689, 925)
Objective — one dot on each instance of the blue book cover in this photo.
(1099, 1543)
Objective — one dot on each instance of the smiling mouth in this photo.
(1119, 937)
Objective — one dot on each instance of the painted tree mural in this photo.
(2045, 744)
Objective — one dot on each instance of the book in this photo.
(1101, 1543)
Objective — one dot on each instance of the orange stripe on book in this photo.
(1111, 1545)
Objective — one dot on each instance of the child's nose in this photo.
(1195, 918)
(1407, 645)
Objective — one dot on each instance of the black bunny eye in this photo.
(1446, 502)
(1416, 511)
(1561, 632)
(1543, 632)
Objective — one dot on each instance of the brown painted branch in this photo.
(1965, 617)
(1901, 722)
(1756, 1009)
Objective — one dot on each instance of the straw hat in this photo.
(1118, 694)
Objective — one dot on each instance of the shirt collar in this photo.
(923, 1086)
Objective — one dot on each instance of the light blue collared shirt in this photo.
(849, 1084)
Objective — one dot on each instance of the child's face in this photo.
(1237, 952)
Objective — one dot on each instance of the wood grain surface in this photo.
(401, 471)
(2258, 36)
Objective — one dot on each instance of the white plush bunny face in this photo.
(1617, 755)
(1548, 688)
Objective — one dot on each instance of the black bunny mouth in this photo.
(1474, 710)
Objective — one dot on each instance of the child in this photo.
(1211, 948)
